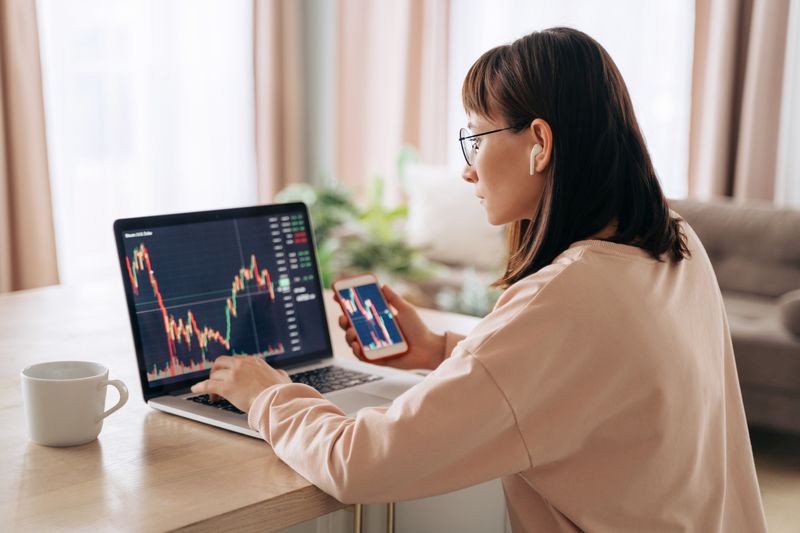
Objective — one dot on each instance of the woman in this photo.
(602, 388)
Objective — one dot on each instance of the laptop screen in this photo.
(228, 282)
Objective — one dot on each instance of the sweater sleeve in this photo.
(452, 430)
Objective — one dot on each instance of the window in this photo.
(651, 43)
(149, 109)
(787, 186)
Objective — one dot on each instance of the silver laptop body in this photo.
(175, 271)
(381, 392)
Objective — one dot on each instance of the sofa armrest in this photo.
(790, 311)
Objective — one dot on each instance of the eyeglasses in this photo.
(469, 141)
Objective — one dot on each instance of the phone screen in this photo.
(374, 322)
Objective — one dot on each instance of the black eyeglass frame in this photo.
(461, 138)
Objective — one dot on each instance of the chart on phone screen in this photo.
(371, 317)
(222, 288)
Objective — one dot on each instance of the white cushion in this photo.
(446, 220)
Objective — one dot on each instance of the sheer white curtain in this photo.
(787, 186)
(149, 109)
(651, 42)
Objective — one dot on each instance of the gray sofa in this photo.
(754, 248)
(755, 251)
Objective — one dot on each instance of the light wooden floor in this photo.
(777, 459)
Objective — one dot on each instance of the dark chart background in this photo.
(379, 331)
(215, 297)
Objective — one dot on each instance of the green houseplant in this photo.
(351, 239)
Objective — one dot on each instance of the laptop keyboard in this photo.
(221, 403)
(325, 379)
(332, 378)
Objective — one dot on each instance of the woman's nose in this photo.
(469, 174)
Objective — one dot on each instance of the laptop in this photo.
(235, 281)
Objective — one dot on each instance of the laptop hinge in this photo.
(292, 366)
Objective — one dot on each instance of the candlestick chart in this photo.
(217, 288)
(372, 319)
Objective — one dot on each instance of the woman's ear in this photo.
(541, 134)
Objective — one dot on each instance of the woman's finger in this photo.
(357, 351)
(360, 351)
(343, 322)
(223, 361)
(208, 386)
(351, 336)
(199, 386)
(221, 374)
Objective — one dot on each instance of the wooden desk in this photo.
(148, 471)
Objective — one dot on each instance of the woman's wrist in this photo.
(439, 343)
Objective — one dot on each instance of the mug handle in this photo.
(123, 395)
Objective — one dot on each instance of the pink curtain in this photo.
(278, 54)
(391, 86)
(736, 96)
(27, 238)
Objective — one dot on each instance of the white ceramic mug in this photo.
(64, 401)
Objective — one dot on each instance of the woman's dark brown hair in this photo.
(599, 170)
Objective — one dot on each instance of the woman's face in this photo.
(501, 171)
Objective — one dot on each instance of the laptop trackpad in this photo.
(353, 400)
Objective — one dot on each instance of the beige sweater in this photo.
(602, 389)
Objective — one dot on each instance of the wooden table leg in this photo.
(358, 517)
(390, 517)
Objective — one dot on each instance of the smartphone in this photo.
(365, 307)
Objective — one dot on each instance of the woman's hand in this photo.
(239, 379)
(425, 348)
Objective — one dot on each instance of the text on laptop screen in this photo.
(227, 287)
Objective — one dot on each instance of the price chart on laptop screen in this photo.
(242, 286)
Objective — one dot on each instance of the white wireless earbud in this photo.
(537, 149)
